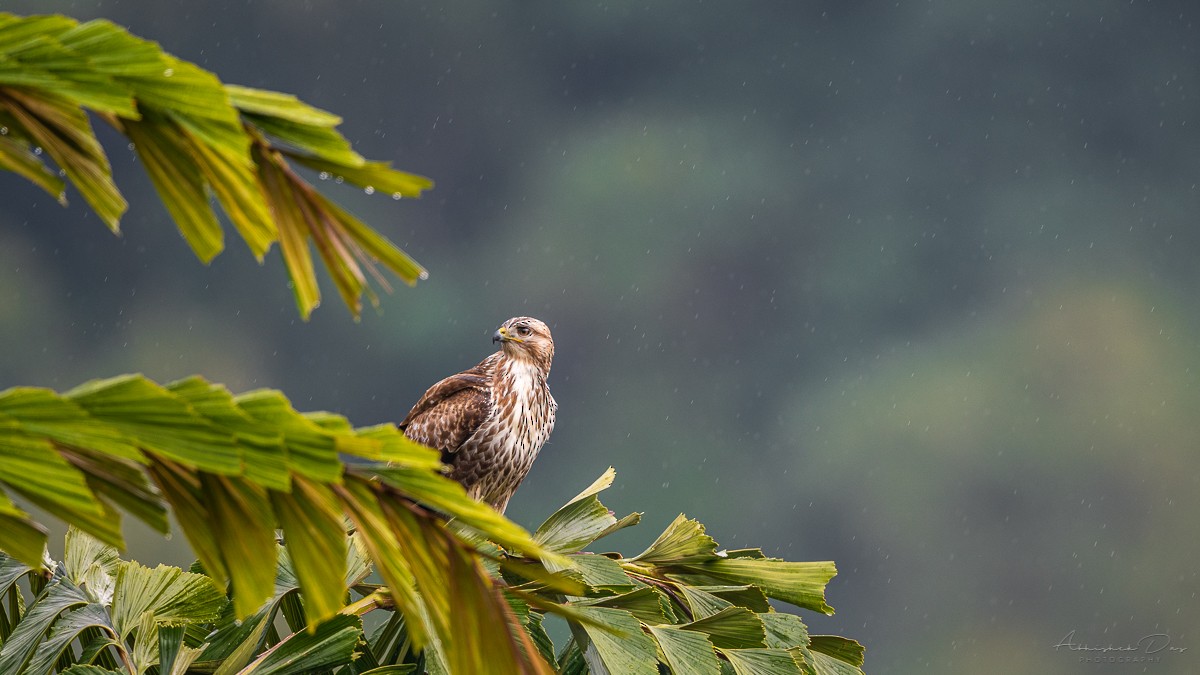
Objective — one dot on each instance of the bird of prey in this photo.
(491, 421)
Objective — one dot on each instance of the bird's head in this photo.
(524, 337)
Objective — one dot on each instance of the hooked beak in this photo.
(502, 335)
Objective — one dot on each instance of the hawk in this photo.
(491, 421)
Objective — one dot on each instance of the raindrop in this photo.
(37, 151)
(324, 175)
(3, 131)
(369, 190)
(339, 180)
(397, 196)
(168, 72)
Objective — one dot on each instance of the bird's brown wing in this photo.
(450, 412)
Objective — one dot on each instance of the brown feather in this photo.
(491, 421)
(452, 410)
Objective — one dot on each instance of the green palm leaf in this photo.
(627, 616)
(198, 139)
(762, 662)
(686, 652)
(331, 644)
(59, 597)
(191, 445)
(616, 642)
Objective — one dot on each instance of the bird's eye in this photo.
(523, 331)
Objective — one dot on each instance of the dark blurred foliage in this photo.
(910, 286)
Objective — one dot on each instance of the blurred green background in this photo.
(910, 286)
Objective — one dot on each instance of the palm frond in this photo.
(682, 604)
(625, 615)
(200, 141)
(191, 447)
